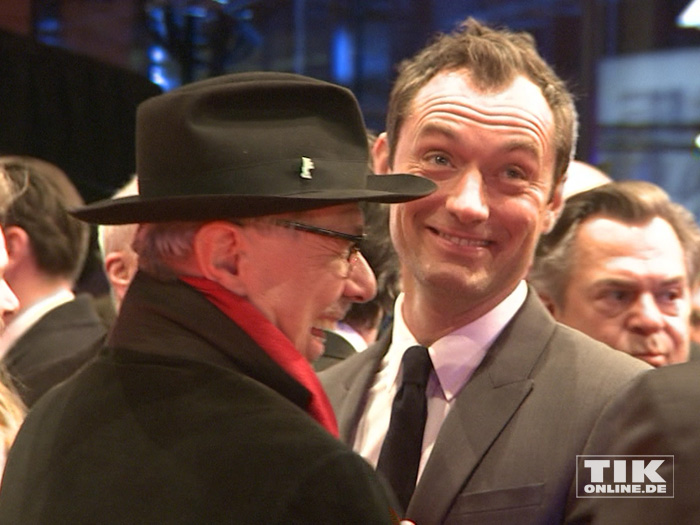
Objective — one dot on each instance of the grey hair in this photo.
(160, 245)
(114, 237)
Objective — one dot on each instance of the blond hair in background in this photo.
(12, 409)
(12, 413)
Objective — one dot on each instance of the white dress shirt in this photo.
(455, 357)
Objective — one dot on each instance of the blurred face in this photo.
(467, 245)
(8, 301)
(302, 281)
(628, 288)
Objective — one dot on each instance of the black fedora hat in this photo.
(250, 144)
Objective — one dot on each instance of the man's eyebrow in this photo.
(632, 283)
(528, 146)
(616, 281)
(434, 128)
(674, 281)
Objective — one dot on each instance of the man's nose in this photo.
(466, 197)
(647, 316)
(361, 285)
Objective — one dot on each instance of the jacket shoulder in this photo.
(598, 362)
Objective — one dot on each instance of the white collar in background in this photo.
(29, 316)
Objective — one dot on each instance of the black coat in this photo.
(182, 419)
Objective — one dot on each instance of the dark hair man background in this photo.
(619, 266)
(55, 331)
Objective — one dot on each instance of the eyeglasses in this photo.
(356, 240)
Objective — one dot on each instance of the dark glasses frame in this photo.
(356, 240)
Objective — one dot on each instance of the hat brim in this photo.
(139, 209)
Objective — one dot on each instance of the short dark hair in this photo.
(493, 57)
(45, 194)
(628, 201)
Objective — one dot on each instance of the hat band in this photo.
(276, 178)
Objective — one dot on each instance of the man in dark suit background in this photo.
(55, 331)
(656, 416)
(203, 407)
(511, 396)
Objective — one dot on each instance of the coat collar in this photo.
(172, 320)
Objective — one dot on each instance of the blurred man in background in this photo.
(620, 265)
(54, 332)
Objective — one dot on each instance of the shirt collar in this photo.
(29, 316)
(456, 355)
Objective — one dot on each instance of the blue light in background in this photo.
(161, 68)
(156, 54)
(343, 56)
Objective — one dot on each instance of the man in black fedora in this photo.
(202, 407)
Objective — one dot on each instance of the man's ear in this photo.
(217, 249)
(380, 155)
(120, 268)
(554, 208)
(18, 245)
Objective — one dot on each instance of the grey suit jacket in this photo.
(506, 453)
(337, 348)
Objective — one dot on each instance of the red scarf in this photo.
(273, 342)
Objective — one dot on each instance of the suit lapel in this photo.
(481, 411)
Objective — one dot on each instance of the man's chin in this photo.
(316, 344)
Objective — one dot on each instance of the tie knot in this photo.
(416, 365)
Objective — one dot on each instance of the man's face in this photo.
(302, 281)
(628, 288)
(8, 301)
(491, 155)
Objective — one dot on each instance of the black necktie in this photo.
(401, 450)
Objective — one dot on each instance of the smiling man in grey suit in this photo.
(512, 395)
